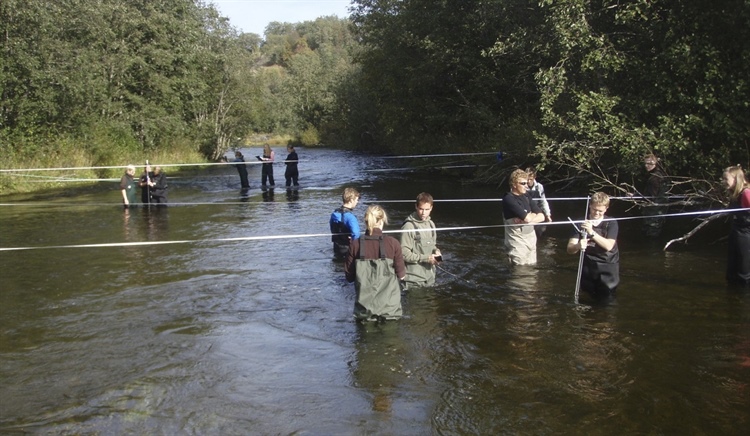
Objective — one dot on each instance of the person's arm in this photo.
(576, 244)
(349, 262)
(351, 222)
(398, 260)
(123, 185)
(745, 198)
(536, 215)
(607, 243)
(544, 204)
(533, 217)
(161, 182)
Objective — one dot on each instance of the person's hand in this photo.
(518, 221)
(588, 227)
(432, 260)
(548, 218)
(583, 242)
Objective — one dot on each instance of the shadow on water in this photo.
(213, 335)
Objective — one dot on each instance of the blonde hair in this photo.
(349, 195)
(267, 149)
(374, 215)
(600, 198)
(518, 175)
(740, 182)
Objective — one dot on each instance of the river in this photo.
(210, 335)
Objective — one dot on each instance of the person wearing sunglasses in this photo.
(520, 212)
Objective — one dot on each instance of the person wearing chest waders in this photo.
(600, 275)
(376, 266)
(421, 254)
(343, 224)
(159, 187)
(519, 211)
(241, 166)
(266, 171)
(128, 187)
(738, 255)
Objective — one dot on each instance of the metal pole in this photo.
(580, 259)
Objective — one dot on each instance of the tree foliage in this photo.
(583, 85)
(148, 72)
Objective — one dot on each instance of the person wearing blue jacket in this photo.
(344, 225)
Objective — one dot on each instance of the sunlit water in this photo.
(214, 336)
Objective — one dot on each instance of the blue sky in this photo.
(254, 15)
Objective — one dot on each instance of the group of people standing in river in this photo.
(382, 266)
(153, 186)
(291, 174)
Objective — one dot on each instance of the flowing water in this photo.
(256, 336)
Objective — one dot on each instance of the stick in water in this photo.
(580, 259)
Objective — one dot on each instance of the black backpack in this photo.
(339, 229)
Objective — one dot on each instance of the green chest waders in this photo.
(378, 290)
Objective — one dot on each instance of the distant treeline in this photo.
(574, 86)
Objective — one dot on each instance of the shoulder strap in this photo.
(381, 247)
(417, 234)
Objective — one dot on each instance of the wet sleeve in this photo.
(123, 182)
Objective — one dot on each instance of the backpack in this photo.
(340, 230)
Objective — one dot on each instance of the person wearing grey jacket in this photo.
(418, 243)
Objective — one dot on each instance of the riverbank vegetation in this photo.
(580, 88)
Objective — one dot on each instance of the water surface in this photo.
(212, 336)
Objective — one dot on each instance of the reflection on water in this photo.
(257, 336)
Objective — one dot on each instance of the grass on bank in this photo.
(71, 153)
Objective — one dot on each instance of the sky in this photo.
(252, 16)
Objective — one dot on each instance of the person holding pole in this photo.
(600, 274)
(146, 184)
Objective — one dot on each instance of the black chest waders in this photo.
(340, 234)
(378, 289)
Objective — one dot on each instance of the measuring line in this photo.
(271, 237)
